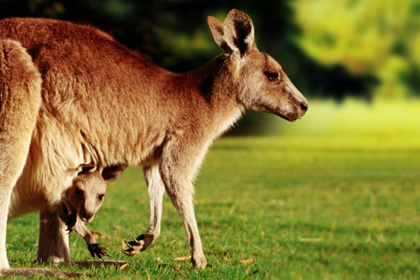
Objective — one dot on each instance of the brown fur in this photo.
(104, 104)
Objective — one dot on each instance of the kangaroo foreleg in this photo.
(178, 165)
(155, 190)
(93, 246)
(181, 194)
(73, 223)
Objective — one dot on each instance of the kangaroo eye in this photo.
(271, 76)
(101, 197)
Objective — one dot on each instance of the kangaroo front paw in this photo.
(71, 222)
(97, 250)
(134, 247)
(138, 244)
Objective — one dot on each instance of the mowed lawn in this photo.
(292, 206)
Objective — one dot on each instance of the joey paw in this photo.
(97, 250)
(71, 222)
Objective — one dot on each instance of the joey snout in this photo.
(86, 216)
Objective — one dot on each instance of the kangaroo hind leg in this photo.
(20, 100)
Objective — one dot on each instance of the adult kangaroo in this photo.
(106, 105)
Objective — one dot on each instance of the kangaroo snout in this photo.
(300, 103)
(296, 110)
(300, 111)
(304, 106)
(86, 216)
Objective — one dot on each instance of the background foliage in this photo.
(380, 38)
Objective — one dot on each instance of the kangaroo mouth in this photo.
(86, 220)
(65, 209)
(277, 112)
(69, 218)
(287, 118)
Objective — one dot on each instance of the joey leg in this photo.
(94, 248)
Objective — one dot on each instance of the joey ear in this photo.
(216, 28)
(111, 173)
(238, 31)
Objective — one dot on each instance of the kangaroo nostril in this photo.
(303, 106)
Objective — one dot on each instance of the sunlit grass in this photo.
(333, 196)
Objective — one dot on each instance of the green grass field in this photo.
(333, 196)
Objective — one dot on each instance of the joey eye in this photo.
(79, 192)
(271, 76)
(101, 197)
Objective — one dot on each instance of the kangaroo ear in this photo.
(236, 34)
(111, 173)
(238, 31)
(216, 28)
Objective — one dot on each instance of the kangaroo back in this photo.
(20, 100)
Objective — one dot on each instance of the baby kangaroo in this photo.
(83, 199)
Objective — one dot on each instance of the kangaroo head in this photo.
(87, 193)
(260, 81)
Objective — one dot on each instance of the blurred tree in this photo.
(376, 37)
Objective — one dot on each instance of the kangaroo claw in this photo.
(134, 247)
(138, 244)
(128, 244)
(97, 250)
(69, 229)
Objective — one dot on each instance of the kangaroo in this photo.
(83, 199)
(105, 104)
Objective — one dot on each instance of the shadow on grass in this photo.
(40, 272)
(48, 272)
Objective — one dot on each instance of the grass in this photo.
(338, 202)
